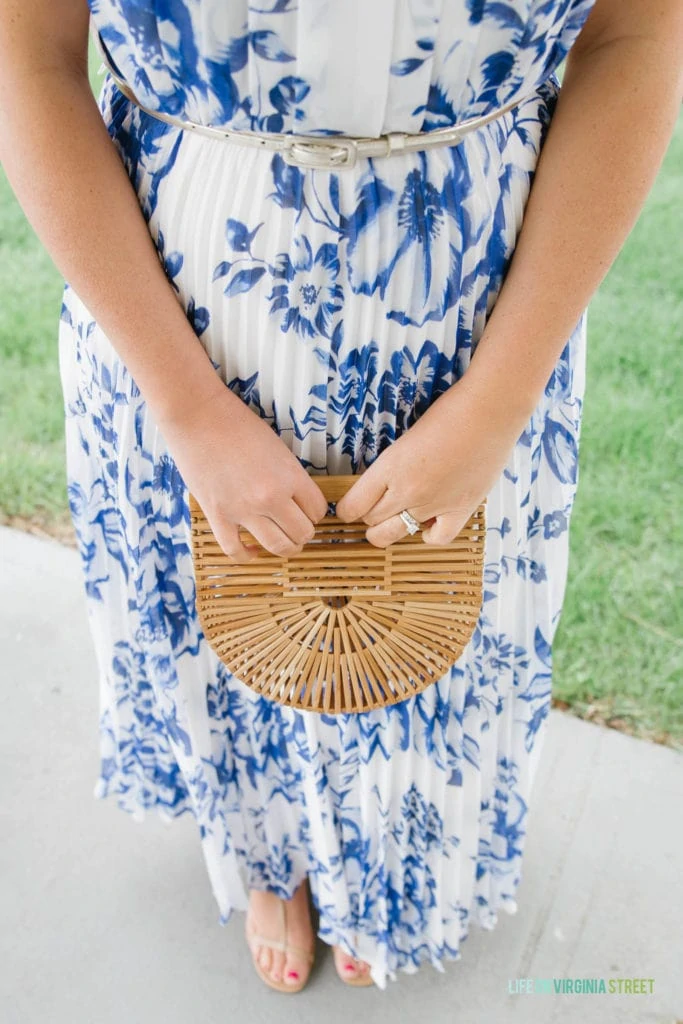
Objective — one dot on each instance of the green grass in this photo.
(619, 645)
(31, 413)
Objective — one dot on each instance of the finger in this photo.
(311, 499)
(387, 532)
(445, 529)
(295, 523)
(360, 498)
(390, 504)
(227, 535)
(273, 539)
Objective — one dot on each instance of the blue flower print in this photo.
(413, 382)
(554, 523)
(353, 403)
(416, 217)
(305, 289)
(420, 214)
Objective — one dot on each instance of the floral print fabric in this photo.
(338, 306)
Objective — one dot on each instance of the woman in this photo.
(368, 317)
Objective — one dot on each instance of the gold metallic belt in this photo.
(332, 152)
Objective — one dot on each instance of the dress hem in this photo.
(362, 946)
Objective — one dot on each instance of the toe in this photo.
(276, 965)
(293, 973)
(265, 957)
(349, 967)
(295, 969)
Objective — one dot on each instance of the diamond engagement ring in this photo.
(411, 524)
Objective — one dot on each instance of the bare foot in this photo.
(264, 918)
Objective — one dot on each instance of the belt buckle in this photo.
(308, 153)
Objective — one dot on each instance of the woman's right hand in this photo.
(243, 474)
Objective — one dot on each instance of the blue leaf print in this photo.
(539, 688)
(560, 449)
(248, 391)
(179, 735)
(542, 648)
(534, 724)
(267, 45)
(173, 263)
(244, 280)
(198, 316)
(533, 523)
(222, 270)
(505, 15)
(559, 382)
(238, 54)
(497, 67)
(289, 184)
(334, 192)
(238, 237)
(113, 536)
(470, 749)
(406, 67)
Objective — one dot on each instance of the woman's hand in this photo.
(242, 473)
(439, 470)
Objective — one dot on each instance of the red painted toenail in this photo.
(292, 974)
(349, 967)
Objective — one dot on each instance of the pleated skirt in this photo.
(338, 306)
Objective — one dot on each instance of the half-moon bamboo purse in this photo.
(344, 626)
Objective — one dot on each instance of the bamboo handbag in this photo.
(344, 626)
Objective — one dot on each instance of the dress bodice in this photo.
(331, 66)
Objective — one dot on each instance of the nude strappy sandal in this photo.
(253, 938)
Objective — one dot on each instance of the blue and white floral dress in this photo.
(338, 306)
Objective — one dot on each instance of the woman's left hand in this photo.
(440, 469)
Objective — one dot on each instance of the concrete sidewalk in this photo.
(106, 921)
